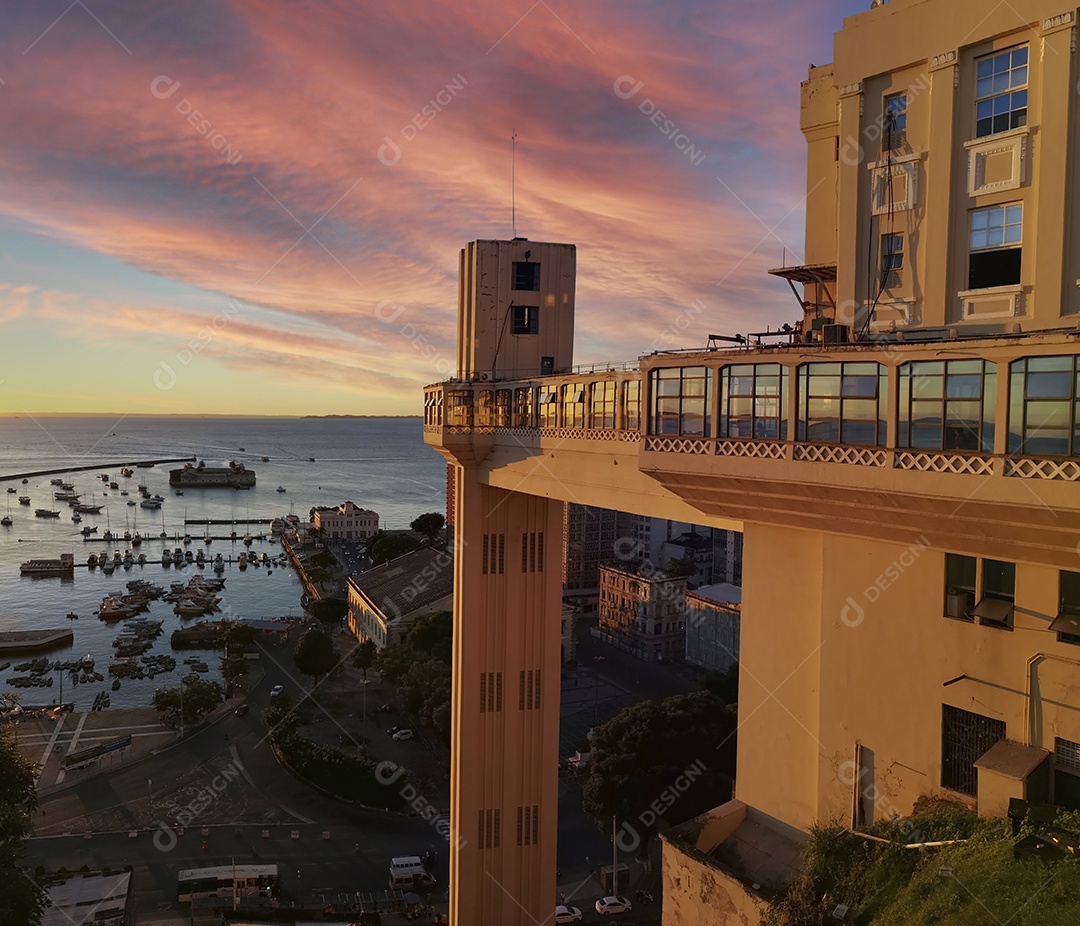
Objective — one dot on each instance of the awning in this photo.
(994, 611)
(1066, 622)
(807, 273)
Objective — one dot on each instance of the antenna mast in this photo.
(513, 187)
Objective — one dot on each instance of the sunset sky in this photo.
(202, 204)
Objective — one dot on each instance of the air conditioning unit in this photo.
(835, 334)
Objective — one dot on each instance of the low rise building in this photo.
(384, 601)
(346, 522)
(642, 611)
(98, 898)
(712, 626)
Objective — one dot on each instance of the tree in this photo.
(199, 698)
(420, 668)
(330, 610)
(429, 524)
(315, 654)
(236, 634)
(385, 546)
(363, 656)
(678, 753)
(22, 899)
(232, 668)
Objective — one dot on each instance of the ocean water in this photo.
(378, 463)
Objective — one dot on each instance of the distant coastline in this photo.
(361, 416)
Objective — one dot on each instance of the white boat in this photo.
(123, 491)
(150, 503)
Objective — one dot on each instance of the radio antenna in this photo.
(513, 187)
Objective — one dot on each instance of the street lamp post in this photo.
(149, 798)
(365, 684)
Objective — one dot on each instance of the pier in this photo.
(94, 466)
(24, 641)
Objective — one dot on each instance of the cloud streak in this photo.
(231, 128)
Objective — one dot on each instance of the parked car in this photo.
(242, 710)
(276, 690)
(565, 914)
(403, 735)
(608, 905)
(394, 729)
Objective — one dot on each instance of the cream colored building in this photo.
(643, 612)
(346, 522)
(904, 470)
(385, 600)
(712, 627)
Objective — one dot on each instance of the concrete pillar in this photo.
(504, 775)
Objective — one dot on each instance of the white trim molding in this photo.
(992, 302)
(883, 180)
(1010, 147)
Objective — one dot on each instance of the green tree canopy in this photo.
(236, 634)
(429, 524)
(420, 668)
(22, 900)
(385, 546)
(363, 657)
(330, 610)
(315, 654)
(677, 755)
(199, 698)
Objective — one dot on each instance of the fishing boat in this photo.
(88, 530)
(91, 560)
(25, 500)
(6, 519)
(45, 513)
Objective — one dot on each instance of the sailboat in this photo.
(164, 533)
(108, 527)
(6, 519)
(136, 538)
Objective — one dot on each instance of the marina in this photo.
(396, 478)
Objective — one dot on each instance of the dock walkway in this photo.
(93, 466)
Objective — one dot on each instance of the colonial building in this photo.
(346, 522)
(902, 465)
(384, 601)
(642, 611)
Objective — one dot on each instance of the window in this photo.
(1066, 773)
(1067, 623)
(573, 405)
(547, 407)
(965, 737)
(947, 405)
(1044, 394)
(980, 588)
(631, 405)
(681, 398)
(996, 246)
(960, 585)
(523, 407)
(502, 408)
(1001, 92)
(892, 252)
(526, 276)
(895, 129)
(843, 403)
(753, 401)
(602, 405)
(998, 594)
(525, 319)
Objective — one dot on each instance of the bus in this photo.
(230, 881)
(408, 873)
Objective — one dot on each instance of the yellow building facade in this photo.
(904, 465)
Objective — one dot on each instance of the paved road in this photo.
(224, 777)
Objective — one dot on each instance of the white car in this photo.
(276, 690)
(612, 904)
(567, 914)
(403, 735)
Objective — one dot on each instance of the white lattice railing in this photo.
(1028, 468)
(590, 434)
(840, 453)
(923, 461)
(758, 450)
(677, 444)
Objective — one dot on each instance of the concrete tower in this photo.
(515, 320)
